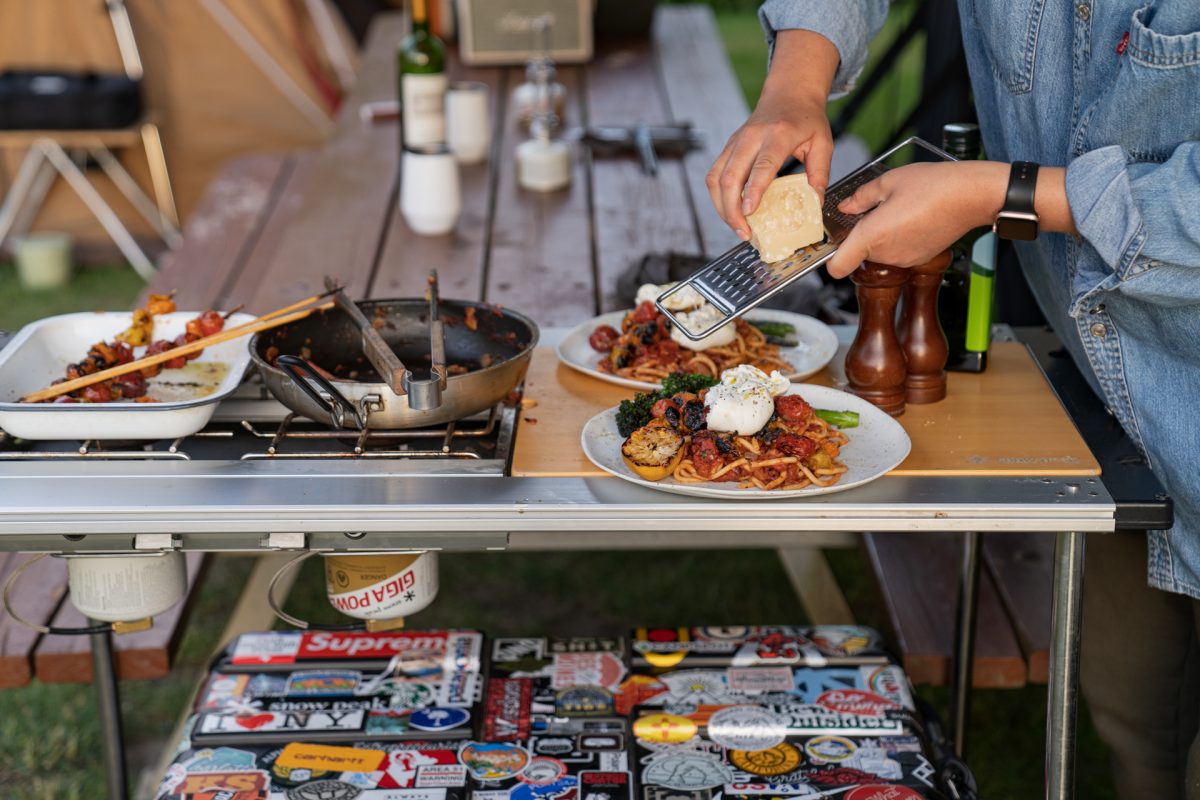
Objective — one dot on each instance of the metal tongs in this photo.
(423, 395)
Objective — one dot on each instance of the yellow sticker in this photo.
(664, 728)
(330, 758)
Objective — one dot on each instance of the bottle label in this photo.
(423, 108)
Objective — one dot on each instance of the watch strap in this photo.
(1022, 181)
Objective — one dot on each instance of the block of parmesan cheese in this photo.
(788, 218)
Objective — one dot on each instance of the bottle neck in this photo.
(420, 16)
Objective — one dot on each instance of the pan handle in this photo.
(301, 372)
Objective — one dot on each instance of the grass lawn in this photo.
(49, 738)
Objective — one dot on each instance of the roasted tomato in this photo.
(653, 451)
(660, 407)
(603, 338)
(211, 322)
(645, 312)
(798, 446)
(131, 385)
(706, 453)
(792, 408)
(180, 341)
(96, 393)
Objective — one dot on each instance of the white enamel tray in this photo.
(41, 351)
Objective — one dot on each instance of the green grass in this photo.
(90, 289)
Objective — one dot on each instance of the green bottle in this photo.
(421, 70)
(965, 299)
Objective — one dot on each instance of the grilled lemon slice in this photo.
(653, 451)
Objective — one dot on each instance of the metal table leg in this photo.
(1063, 698)
(964, 643)
(105, 678)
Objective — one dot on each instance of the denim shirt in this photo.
(1110, 89)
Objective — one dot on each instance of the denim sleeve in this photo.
(849, 24)
(1134, 212)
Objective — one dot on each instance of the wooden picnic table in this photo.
(276, 228)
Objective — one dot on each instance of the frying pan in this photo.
(292, 359)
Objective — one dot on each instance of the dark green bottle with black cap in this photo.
(965, 299)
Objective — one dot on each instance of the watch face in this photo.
(1022, 228)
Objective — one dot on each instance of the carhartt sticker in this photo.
(326, 757)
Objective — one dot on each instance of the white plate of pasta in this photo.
(815, 346)
(868, 451)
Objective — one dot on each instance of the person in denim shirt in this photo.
(1105, 96)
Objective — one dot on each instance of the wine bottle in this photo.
(421, 70)
(965, 300)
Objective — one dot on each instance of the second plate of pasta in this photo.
(876, 446)
(816, 344)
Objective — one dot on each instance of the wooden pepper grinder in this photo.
(875, 365)
(921, 334)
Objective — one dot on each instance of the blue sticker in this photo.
(438, 718)
(533, 791)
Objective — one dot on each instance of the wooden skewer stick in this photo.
(272, 320)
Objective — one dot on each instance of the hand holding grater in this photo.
(738, 280)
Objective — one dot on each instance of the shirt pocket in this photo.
(1009, 31)
(1153, 104)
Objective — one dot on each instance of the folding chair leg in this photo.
(159, 176)
(34, 200)
(24, 182)
(134, 194)
(95, 203)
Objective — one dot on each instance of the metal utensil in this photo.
(390, 368)
(739, 280)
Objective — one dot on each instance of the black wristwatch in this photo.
(1017, 218)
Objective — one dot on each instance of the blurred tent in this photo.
(221, 77)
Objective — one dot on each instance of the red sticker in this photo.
(879, 792)
(508, 707)
(855, 701)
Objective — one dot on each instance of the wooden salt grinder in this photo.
(875, 365)
(921, 334)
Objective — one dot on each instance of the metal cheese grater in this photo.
(738, 280)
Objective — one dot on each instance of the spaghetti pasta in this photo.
(644, 351)
(795, 449)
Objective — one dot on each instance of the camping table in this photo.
(556, 257)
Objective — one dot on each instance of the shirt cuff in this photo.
(1103, 207)
(841, 22)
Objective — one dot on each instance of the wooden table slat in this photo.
(1022, 567)
(235, 206)
(338, 226)
(634, 213)
(38, 593)
(701, 88)
(285, 199)
(540, 257)
(918, 578)
(138, 656)
(407, 257)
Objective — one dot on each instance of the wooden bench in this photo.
(918, 578)
(41, 597)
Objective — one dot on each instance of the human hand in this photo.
(916, 211)
(789, 120)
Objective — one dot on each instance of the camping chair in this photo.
(50, 154)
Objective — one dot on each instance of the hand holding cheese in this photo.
(787, 218)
